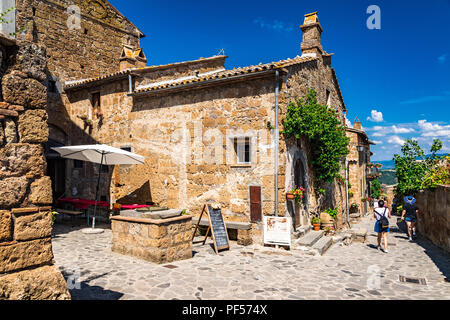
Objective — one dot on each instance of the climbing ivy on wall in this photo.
(325, 132)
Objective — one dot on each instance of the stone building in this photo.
(358, 171)
(26, 258)
(84, 39)
(206, 132)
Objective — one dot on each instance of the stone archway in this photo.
(297, 175)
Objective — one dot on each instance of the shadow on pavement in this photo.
(439, 257)
(75, 225)
(84, 291)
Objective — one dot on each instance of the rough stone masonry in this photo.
(27, 271)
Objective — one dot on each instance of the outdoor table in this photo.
(83, 204)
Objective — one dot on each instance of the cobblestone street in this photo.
(255, 272)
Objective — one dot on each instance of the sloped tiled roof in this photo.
(226, 74)
(124, 73)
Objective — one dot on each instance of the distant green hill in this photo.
(387, 177)
(390, 164)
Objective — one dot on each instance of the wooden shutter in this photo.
(255, 204)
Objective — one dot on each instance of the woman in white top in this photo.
(378, 214)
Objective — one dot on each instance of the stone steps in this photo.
(310, 238)
(322, 245)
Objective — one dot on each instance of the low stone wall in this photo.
(26, 258)
(434, 215)
(158, 241)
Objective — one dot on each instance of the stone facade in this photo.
(26, 257)
(159, 241)
(183, 118)
(357, 168)
(83, 39)
(434, 215)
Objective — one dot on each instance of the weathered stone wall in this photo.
(159, 241)
(90, 50)
(186, 139)
(357, 171)
(78, 47)
(26, 266)
(434, 215)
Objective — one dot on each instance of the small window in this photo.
(126, 149)
(242, 149)
(78, 164)
(51, 87)
(96, 100)
(328, 98)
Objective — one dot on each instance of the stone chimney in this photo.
(357, 124)
(312, 31)
(132, 58)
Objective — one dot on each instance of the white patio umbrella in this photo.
(101, 154)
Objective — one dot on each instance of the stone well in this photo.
(155, 240)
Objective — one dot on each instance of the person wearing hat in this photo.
(409, 214)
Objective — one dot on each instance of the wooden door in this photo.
(255, 204)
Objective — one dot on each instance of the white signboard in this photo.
(277, 230)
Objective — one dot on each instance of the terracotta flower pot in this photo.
(316, 226)
(290, 196)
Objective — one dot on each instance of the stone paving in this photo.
(255, 272)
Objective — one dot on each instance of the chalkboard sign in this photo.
(219, 231)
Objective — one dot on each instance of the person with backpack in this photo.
(409, 214)
(381, 214)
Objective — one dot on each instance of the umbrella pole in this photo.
(96, 191)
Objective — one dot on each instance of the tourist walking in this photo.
(382, 214)
(409, 214)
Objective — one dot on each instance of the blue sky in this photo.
(396, 79)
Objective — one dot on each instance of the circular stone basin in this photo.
(161, 214)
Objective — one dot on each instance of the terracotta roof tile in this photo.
(230, 73)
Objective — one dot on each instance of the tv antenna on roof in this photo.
(221, 52)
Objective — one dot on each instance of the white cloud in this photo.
(348, 122)
(377, 142)
(376, 116)
(429, 129)
(379, 134)
(396, 129)
(396, 140)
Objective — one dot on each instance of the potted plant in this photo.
(354, 207)
(297, 194)
(316, 223)
(350, 193)
(98, 113)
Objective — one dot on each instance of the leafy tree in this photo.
(375, 188)
(412, 166)
(322, 127)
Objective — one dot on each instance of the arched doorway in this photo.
(300, 180)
